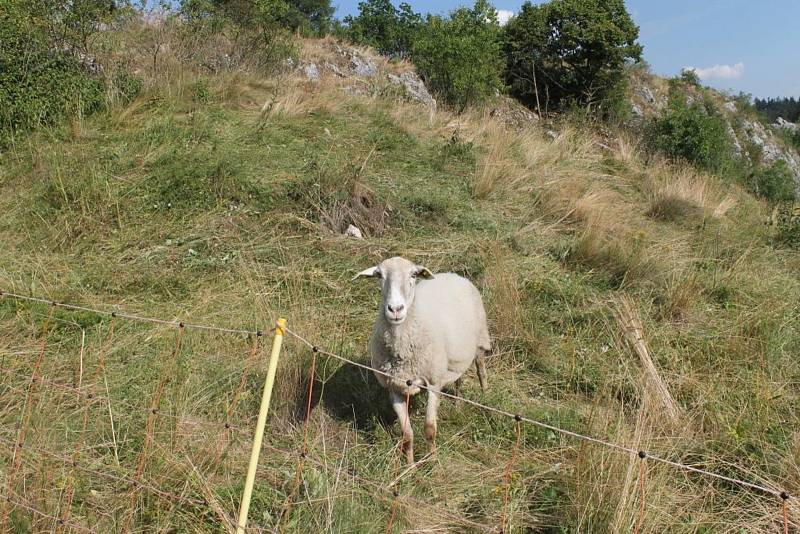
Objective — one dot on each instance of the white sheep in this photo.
(428, 332)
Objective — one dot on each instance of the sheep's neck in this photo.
(398, 338)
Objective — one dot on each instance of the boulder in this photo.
(414, 87)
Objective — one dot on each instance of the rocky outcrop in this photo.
(360, 73)
(783, 124)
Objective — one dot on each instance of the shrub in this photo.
(774, 182)
(459, 56)
(787, 225)
(692, 131)
(568, 52)
(690, 77)
(45, 72)
(256, 29)
(384, 27)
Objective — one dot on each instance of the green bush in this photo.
(45, 72)
(787, 224)
(459, 56)
(568, 52)
(256, 30)
(774, 182)
(693, 131)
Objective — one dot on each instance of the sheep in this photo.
(428, 332)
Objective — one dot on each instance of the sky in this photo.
(735, 45)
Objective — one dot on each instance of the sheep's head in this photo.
(398, 279)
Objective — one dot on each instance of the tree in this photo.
(459, 57)
(388, 29)
(570, 52)
(309, 16)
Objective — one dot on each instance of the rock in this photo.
(737, 147)
(362, 66)
(730, 105)
(551, 134)
(311, 71)
(414, 87)
(783, 124)
(334, 69)
(645, 94)
(353, 231)
(637, 111)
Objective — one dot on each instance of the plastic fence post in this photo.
(244, 508)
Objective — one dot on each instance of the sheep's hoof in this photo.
(407, 448)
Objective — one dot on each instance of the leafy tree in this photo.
(388, 29)
(309, 16)
(569, 52)
(459, 56)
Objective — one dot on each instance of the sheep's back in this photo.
(451, 309)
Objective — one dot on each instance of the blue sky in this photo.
(738, 45)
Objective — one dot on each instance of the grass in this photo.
(221, 199)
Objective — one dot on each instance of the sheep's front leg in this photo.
(431, 415)
(401, 409)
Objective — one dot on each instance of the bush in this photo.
(384, 27)
(459, 56)
(568, 52)
(45, 72)
(256, 30)
(694, 132)
(787, 224)
(774, 183)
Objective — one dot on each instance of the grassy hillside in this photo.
(221, 199)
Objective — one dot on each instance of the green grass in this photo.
(185, 204)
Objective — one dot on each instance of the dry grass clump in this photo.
(498, 168)
(681, 294)
(503, 293)
(661, 405)
(680, 192)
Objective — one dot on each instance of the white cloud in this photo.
(503, 15)
(727, 72)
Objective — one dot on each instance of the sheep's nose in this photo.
(396, 309)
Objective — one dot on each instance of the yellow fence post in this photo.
(244, 508)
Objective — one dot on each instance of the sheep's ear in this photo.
(367, 273)
(423, 272)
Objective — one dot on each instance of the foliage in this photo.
(774, 182)
(459, 56)
(787, 224)
(567, 52)
(692, 131)
(257, 29)
(690, 77)
(309, 16)
(388, 29)
(45, 72)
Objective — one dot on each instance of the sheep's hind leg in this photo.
(407, 442)
(480, 365)
(431, 415)
(457, 391)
